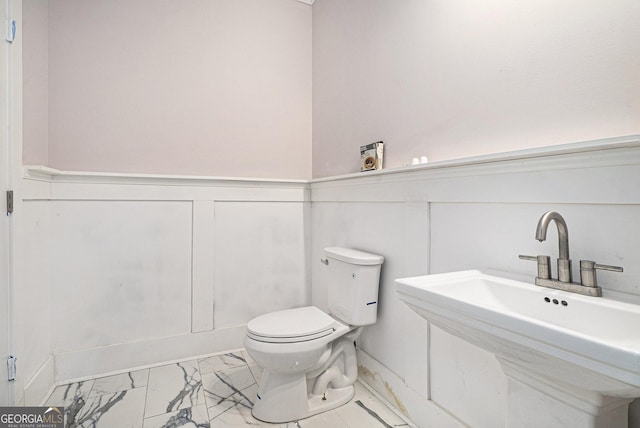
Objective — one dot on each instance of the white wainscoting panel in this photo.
(122, 271)
(150, 269)
(33, 305)
(125, 268)
(260, 253)
(477, 214)
(397, 231)
(203, 266)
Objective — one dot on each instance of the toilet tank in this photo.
(353, 282)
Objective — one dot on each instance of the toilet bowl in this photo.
(293, 364)
(308, 355)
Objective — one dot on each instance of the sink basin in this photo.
(563, 339)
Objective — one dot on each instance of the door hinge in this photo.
(11, 30)
(11, 368)
(9, 202)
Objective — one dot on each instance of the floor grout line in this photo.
(204, 392)
(146, 395)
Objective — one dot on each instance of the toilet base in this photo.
(334, 398)
(284, 398)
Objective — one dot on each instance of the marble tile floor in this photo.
(217, 391)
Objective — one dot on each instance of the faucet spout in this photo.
(564, 263)
(563, 232)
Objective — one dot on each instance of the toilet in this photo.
(308, 355)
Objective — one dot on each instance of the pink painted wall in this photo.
(452, 78)
(215, 87)
(224, 87)
(35, 83)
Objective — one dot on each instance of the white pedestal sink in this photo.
(570, 360)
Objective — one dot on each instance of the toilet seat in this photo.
(292, 325)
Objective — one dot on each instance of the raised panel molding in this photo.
(203, 266)
(480, 213)
(92, 215)
(413, 216)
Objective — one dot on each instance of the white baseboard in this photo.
(105, 360)
(422, 412)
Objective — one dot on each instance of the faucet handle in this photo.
(588, 272)
(544, 267)
(608, 267)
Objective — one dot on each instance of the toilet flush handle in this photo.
(325, 261)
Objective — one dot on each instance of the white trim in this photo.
(564, 174)
(202, 266)
(95, 362)
(63, 382)
(44, 173)
(548, 153)
(309, 2)
(631, 141)
(44, 183)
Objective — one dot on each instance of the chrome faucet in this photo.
(564, 262)
(589, 283)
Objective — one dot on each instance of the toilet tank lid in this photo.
(356, 257)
